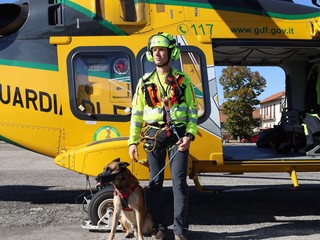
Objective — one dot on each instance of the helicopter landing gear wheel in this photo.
(101, 209)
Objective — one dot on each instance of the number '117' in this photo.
(202, 29)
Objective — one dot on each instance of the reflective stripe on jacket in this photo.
(183, 113)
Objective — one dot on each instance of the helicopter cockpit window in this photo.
(102, 84)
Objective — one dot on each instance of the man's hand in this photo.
(183, 143)
(133, 152)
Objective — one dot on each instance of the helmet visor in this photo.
(159, 41)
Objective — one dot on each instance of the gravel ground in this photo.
(39, 200)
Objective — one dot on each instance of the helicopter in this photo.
(69, 69)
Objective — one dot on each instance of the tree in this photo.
(241, 87)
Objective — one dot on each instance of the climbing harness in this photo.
(170, 126)
(175, 89)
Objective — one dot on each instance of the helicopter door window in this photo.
(101, 85)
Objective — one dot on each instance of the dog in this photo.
(128, 201)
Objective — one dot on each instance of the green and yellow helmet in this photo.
(163, 40)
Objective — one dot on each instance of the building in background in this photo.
(271, 109)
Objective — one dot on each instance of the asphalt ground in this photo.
(39, 201)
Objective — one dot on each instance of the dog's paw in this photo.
(129, 234)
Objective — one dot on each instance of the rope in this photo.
(144, 138)
(154, 178)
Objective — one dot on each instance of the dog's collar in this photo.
(124, 196)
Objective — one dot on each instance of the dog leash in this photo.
(154, 178)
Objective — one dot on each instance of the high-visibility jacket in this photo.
(184, 112)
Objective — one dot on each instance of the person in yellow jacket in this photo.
(164, 109)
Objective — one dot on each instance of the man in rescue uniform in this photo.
(165, 103)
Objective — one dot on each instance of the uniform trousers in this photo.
(178, 167)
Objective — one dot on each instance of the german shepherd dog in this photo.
(128, 201)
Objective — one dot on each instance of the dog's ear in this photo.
(116, 160)
(123, 165)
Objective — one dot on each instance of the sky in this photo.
(274, 76)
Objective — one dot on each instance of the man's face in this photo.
(160, 55)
